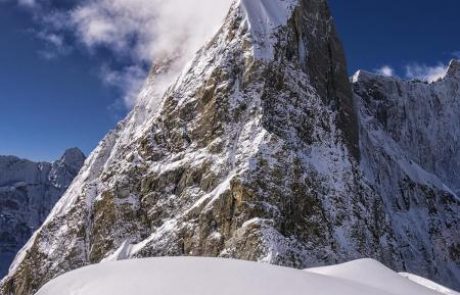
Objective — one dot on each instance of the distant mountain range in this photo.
(28, 192)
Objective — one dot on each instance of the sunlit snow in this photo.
(209, 276)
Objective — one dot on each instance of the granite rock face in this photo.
(253, 153)
(28, 192)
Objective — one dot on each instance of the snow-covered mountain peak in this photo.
(73, 157)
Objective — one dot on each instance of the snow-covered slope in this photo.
(28, 192)
(206, 276)
(375, 275)
(429, 284)
(252, 153)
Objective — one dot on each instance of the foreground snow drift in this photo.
(429, 284)
(373, 274)
(208, 276)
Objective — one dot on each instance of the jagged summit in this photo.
(73, 158)
(72, 154)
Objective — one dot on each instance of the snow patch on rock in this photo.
(263, 18)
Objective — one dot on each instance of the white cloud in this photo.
(426, 73)
(28, 3)
(54, 45)
(146, 31)
(129, 80)
(53, 39)
(23, 3)
(386, 71)
(136, 32)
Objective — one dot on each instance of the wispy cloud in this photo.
(456, 54)
(416, 71)
(148, 29)
(425, 72)
(54, 45)
(29, 3)
(135, 32)
(129, 80)
(386, 71)
(22, 3)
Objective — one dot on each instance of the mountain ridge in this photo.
(28, 191)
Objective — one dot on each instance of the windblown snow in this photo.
(210, 276)
(262, 19)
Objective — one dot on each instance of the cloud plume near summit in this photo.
(148, 30)
(144, 31)
(135, 32)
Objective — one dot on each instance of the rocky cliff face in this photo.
(421, 118)
(28, 192)
(253, 153)
(410, 147)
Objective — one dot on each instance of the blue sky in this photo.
(48, 105)
(60, 88)
(397, 33)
